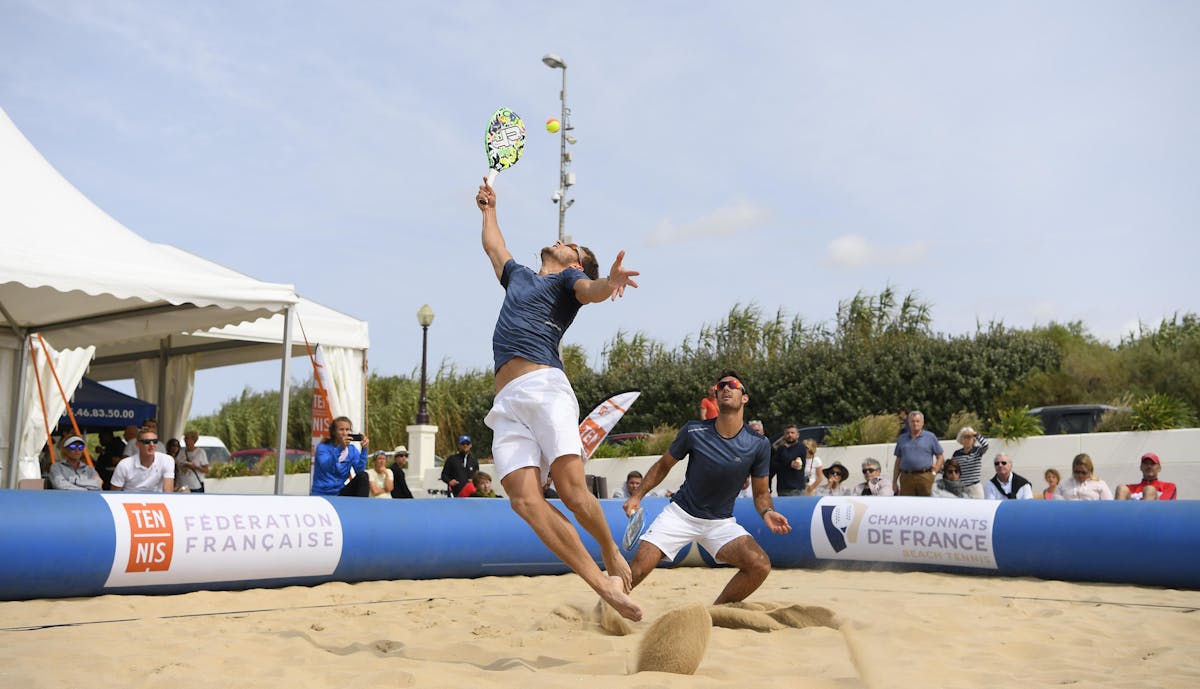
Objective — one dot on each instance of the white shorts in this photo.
(535, 420)
(674, 528)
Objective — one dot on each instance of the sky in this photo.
(1022, 162)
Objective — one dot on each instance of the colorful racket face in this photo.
(635, 529)
(504, 140)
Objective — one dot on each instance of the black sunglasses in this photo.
(148, 441)
(999, 464)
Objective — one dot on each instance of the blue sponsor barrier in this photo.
(62, 544)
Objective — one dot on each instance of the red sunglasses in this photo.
(735, 384)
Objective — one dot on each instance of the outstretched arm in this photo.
(611, 287)
(653, 477)
(493, 242)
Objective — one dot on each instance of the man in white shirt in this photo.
(149, 471)
(1006, 485)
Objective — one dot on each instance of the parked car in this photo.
(213, 448)
(623, 438)
(253, 456)
(816, 433)
(1072, 418)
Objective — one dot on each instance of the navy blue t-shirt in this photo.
(537, 310)
(717, 467)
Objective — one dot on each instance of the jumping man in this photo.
(535, 416)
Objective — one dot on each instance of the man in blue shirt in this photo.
(721, 453)
(535, 415)
(919, 456)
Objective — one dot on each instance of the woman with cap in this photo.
(71, 472)
(835, 476)
(380, 476)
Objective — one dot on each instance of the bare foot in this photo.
(617, 566)
(614, 594)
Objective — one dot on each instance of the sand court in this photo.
(884, 629)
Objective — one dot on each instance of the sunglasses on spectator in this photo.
(1000, 464)
(148, 441)
(75, 446)
(1080, 472)
(869, 470)
(735, 384)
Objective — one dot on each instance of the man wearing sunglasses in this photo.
(535, 415)
(1006, 485)
(721, 453)
(70, 472)
(149, 471)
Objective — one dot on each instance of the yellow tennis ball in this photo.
(552, 125)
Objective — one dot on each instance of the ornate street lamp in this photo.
(425, 318)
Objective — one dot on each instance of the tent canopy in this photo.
(97, 406)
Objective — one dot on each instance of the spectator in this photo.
(70, 472)
(339, 468)
(756, 425)
(1006, 485)
(380, 476)
(481, 481)
(633, 480)
(919, 456)
(708, 405)
(110, 451)
(812, 466)
(131, 444)
(458, 468)
(787, 464)
(835, 477)
(903, 415)
(950, 485)
(970, 462)
(399, 464)
(1052, 480)
(1081, 485)
(172, 448)
(873, 481)
(191, 463)
(747, 490)
(149, 471)
(1161, 490)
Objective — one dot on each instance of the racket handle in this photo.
(491, 182)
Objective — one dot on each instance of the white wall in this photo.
(1115, 455)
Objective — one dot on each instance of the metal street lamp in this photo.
(565, 178)
(425, 318)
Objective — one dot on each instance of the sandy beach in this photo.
(894, 630)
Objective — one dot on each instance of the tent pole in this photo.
(18, 425)
(284, 389)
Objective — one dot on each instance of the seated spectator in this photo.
(110, 452)
(1082, 485)
(873, 481)
(756, 425)
(482, 482)
(633, 481)
(835, 476)
(399, 465)
(813, 465)
(1161, 490)
(381, 480)
(70, 472)
(950, 485)
(746, 491)
(172, 448)
(149, 471)
(1053, 478)
(1006, 485)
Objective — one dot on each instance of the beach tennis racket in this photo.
(637, 523)
(504, 141)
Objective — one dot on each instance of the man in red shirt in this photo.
(1150, 487)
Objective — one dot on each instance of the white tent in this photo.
(47, 284)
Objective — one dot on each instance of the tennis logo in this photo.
(840, 522)
(151, 537)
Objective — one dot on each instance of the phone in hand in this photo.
(356, 437)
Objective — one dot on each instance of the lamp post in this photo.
(425, 318)
(565, 178)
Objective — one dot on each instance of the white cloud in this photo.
(855, 251)
(738, 218)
